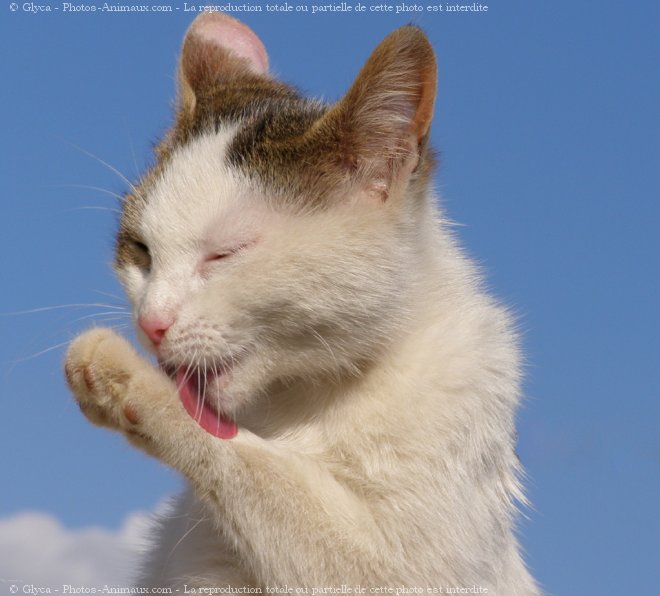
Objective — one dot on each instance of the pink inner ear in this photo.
(227, 32)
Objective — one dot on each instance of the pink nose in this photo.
(154, 328)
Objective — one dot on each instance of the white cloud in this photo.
(35, 548)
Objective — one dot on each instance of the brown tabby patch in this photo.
(301, 152)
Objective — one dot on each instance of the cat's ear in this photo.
(383, 122)
(217, 48)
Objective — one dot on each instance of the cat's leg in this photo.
(108, 379)
(284, 513)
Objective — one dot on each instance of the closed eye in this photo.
(225, 254)
(219, 256)
(141, 246)
(141, 254)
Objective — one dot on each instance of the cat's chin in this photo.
(202, 393)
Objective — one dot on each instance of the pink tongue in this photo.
(212, 422)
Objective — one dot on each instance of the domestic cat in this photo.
(333, 382)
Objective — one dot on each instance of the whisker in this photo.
(121, 298)
(60, 307)
(217, 419)
(232, 359)
(42, 352)
(199, 521)
(113, 314)
(88, 187)
(185, 378)
(130, 143)
(199, 407)
(94, 208)
(105, 318)
(110, 167)
(62, 344)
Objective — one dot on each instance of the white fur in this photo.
(375, 394)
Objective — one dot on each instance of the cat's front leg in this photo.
(285, 513)
(115, 387)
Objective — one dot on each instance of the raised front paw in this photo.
(101, 367)
(117, 388)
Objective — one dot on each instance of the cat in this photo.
(332, 380)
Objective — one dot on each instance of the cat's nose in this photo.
(154, 328)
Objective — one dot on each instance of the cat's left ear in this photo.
(217, 49)
(381, 126)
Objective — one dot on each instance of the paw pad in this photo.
(130, 414)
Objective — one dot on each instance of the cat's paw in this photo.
(117, 388)
(100, 367)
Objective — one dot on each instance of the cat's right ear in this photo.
(217, 48)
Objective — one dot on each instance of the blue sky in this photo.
(547, 127)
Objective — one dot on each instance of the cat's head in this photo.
(276, 238)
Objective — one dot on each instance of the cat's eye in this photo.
(218, 256)
(141, 246)
(141, 253)
(221, 255)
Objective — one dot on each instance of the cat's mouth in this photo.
(195, 387)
